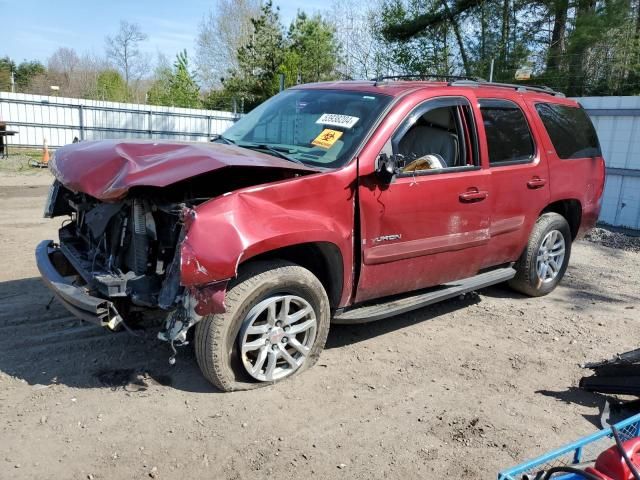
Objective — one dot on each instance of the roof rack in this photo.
(520, 88)
(466, 80)
(424, 76)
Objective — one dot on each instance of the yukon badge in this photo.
(387, 238)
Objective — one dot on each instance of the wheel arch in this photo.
(323, 259)
(571, 210)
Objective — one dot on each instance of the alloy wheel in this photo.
(550, 257)
(276, 337)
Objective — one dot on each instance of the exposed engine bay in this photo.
(121, 249)
(128, 251)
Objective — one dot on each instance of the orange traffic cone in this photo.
(45, 153)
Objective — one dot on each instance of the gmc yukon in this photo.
(342, 202)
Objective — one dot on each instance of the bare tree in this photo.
(123, 50)
(364, 54)
(223, 30)
(64, 61)
(75, 75)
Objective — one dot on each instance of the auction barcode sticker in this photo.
(337, 120)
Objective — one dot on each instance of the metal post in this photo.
(208, 127)
(81, 120)
(281, 81)
(491, 71)
(150, 113)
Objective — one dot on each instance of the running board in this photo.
(396, 306)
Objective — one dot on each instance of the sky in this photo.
(34, 29)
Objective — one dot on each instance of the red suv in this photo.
(341, 202)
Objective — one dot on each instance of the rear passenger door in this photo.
(519, 176)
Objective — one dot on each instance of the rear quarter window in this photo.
(570, 130)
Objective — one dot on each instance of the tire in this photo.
(218, 337)
(527, 279)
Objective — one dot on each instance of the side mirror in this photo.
(387, 166)
(214, 137)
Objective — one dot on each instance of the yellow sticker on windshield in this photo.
(327, 138)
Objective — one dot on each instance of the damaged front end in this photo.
(131, 207)
(117, 259)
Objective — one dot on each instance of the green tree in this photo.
(593, 23)
(184, 89)
(313, 53)
(581, 47)
(23, 74)
(220, 99)
(413, 48)
(159, 93)
(260, 60)
(110, 86)
(177, 86)
(26, 72)
(6, 67)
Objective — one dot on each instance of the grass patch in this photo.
(19, 163)
(34, 153)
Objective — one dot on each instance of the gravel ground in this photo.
(459, 390)
(607, 238)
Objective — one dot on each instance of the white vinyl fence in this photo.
(617, 121)
(59, 120)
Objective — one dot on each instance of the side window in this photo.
(438, 135)
(570, 130)
(508, 134)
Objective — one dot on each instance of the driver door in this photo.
(430, 225)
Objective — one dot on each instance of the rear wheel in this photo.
(544, 262)
(275, 326)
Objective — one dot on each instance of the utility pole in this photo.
(491, 70)
(13, 82)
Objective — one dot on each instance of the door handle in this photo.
(536, 182)
(473, 195)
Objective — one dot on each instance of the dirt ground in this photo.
(460, 390)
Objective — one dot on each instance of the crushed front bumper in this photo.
(59, 275)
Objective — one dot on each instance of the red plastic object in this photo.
(611, 466)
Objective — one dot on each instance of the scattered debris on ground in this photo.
(618, 240)
(619, 375)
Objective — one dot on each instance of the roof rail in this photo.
(466, 80)
(424, 76)
(521, 87)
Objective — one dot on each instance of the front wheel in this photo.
(545, 260)
(275, 326)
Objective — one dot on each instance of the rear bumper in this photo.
(59, 276)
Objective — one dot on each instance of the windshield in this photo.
(315, 127)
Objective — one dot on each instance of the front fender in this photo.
(229, 230)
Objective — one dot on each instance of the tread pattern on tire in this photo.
(211, 332)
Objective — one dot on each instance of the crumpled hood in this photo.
(107, 169)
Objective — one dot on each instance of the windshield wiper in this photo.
(275, 151)
(226, 140)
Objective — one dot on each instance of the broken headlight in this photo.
(49, 206)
